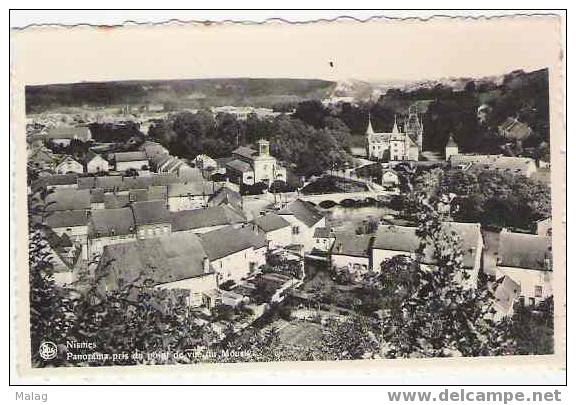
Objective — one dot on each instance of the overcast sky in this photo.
(376, 51)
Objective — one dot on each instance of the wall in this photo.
(97, 164)
(196, 285)
(528, 279)
(180, 203)
(153, 230)
(70, 166)
(305, 235)
(280, 237)
(235, 266)
(96, 245)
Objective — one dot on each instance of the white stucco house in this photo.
(276, 230)
(234, 252)
(304, 219)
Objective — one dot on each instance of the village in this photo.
(131, 213)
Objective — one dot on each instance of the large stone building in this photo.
(396, 145)
(251, 167)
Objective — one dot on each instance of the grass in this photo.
(301, 333)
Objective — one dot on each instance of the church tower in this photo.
(451, 148)
(369, 129)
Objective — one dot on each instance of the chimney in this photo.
(206, 265)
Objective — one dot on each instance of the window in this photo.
(295, 230)
(531, 301)
(538, 291)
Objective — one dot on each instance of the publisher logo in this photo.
(48, 350)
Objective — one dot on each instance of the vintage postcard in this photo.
(189, 195)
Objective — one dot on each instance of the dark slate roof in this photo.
(202, 218)
(116, 201)
(226, 241)
(347, 244)
(239, 165)
(56, 180)
(245, 152)
(107, 222)
(96, 195)
(163, 260)
(66, 219)
(271, 222)
(304, 211)
(150, 212)
(91, 155)
(68, 199)
(130, 156)
(525, 251)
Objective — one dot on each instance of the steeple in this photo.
(395, 128)
(369, 130)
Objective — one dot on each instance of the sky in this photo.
(376, 51)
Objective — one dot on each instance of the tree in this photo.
(51, 316)
(431, 313)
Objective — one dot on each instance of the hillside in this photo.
(176, 93)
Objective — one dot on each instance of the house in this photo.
(68, 165)
(514, 130)
(390, 178)
(352, 253)
(174, 262)
(73, 224)
(151, 218)
(234, 252)
(527, 260)
(395, 145)
(96, 163)
(189, 196)
(251, 167)
(507, 164)
(205, 220)
(205, 162)
(393, 240)
(130, 160)
(68, 199)
(56, 182)
(304, 218)
(63, 135)
(324, 239)
(110, 227)
(65, 255)
(276, 230)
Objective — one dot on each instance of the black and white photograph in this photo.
(391, 202)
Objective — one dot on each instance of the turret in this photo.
(263, 148)
(451, 148)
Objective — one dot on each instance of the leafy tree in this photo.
(430, 312)
(50, 306)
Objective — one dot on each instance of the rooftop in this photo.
(525, 251)
(304, 211)
(163, 260)
(203, 218)
(226, 241)
(271, 222)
